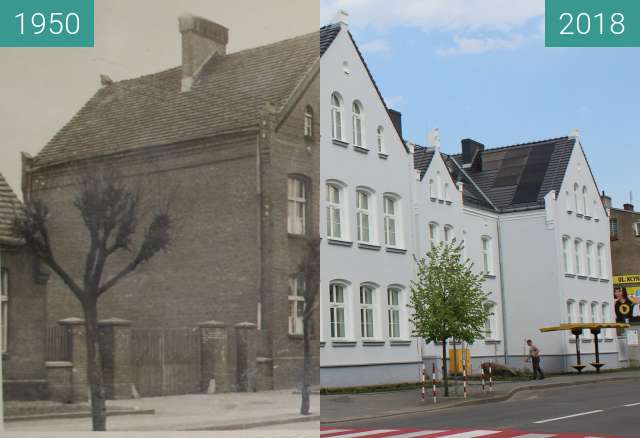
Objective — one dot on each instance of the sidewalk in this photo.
(192, 412)
(350, 407)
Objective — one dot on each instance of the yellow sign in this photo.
(626, 279)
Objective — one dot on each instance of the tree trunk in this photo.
(306, 365)
(94, 368)
(445, 374)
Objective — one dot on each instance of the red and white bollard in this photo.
(433, 382)
(464, 376)
(490, 379)
(483, 382)
(423, 381)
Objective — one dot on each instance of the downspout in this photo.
(1, 362)
(259, 225)
(505, 348)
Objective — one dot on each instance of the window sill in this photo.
(582, 277)
(297, 337)
(490, 276)
(588, 218)
(373, 343)
(340, 143)
(570, 275)
(604, 280)
(597, 220)
(339, 242)
(399, 342)
(593, 279)
(361, 149)
(297, 236)
(608, 339)
(342, 344)
(395, 250)
(586, 340)
(382, 155)
(579, 215)
(440, 201)
(369, 246)
(569, 211)
(572, 340)
(322, 343)
(448, 202)
(492, 341)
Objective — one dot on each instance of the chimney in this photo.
(471, 153)
(606, 200)
(341, 18)
(396, 119)
(433, 139)
(201, 39)
(627, 207)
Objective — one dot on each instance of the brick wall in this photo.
(625, 251)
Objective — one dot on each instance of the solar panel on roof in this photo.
(533, 174)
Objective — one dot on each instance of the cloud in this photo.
(448, 15)
(376, 46)
(475, 45)
(394, 101)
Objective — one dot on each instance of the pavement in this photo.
(193, 412)
(351, 407)
(602, 406)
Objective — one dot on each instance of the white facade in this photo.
(366, 271)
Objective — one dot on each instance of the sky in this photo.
(42, 88)
(479, 69)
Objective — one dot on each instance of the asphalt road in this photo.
(608, 408)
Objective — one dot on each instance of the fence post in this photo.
(433, 381)
(78, 357)
(115, 336)
(246, 356)
(214, 340)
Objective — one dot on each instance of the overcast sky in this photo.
(42, 88)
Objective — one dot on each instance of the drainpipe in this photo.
(505, 348)
(1, 363)
(259, 217)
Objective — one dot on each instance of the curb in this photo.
(495, 399)
(241, 426)
(81, 414)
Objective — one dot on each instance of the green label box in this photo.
(46, 23)
(592, 23)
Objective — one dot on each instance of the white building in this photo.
(529, 216)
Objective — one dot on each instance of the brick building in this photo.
(23, 309)
(232, 138)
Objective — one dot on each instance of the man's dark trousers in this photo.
(535, 361)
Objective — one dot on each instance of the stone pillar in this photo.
(246, 356)
(214, 344)
(264, 380)
(78, 357)
(115, 338)
(59, 381)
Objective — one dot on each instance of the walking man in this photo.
(534, 355)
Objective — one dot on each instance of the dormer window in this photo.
(308, 122)
(358, 124)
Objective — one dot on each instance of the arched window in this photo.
(308, 121)
(591, 270)
(363, 215)
(335, 208)
(491, 323)
(391, 222)
(487, 255)
(595, 310)
(297, 206)
(337, 310)
(571, 311)
(585, 203)
(602, 260)
(447, 234)
(439, 184)
(576, 201)
(433, 235)
(358, 124)
(566, 254)
(394, 311)
(367, 310)
(380, 139)
(577, 250)
(606, 317)
(568, 201)
(336, 116)
(447, 196)
(433, 190)
(582, 315)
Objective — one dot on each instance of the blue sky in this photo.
(479, 69)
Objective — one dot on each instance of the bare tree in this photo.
(111, 212)
(310, 269)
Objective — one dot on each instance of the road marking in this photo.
(420, 433)
(631, 404)
(332, 432)
(536, 435)
(472, 434)
(367, 433)
(568, 416)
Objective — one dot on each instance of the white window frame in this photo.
(367, 311)
(433, 234)
(358, 124)
(491, 324)
(433, 190)
(337, 121)
(582, 316)
(338, 308)
(576, 201)
(394, 312)
(392, 225)
(335, 209)
(364, 215)
(590, 259)
(602, 261)
(486, 251)
(585, 203)
(297, 194)
(567, 255)
(4, 304)
(606, 317)
(447, 234)
(380, 140)
(578, 256)
(296, 297)
(571, 311)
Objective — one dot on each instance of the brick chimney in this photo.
(201, 39)
(627, 207)
(606, 200)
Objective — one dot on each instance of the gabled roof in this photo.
(328, 33)
(422, 157)
(9, 205)
(518, 177)
(228, 95)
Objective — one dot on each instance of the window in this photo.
(568, 201)
(4, 297)
(606, 317)
(613, 228)
(362, 216)
(601, 264)
(591, 270)
(433, 234)
(336, 116)
(571, 318)
(585, 204)
(447, 197)
(576, 201)
(432, 189)
(393, 311)
(308, 122)
(448, 234)
(439, 184)
(491, 324)
(595, 318)
(296, 304)
(297, 209)
(380, 139)
(566, 254)
(358, 128)
(390, 221)
(337, 310)
(487, 256)
(367, 311)
(578, 257)
(334, 211)
(636, 229)
(582, 315)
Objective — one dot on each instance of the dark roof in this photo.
(227, 95)
(519, 176)
(422, 159)
(9, 205)
(328, 33)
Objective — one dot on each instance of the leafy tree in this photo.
(111, 213)
(447, 300)
(310, 270)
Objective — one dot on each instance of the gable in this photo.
(9, 204)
